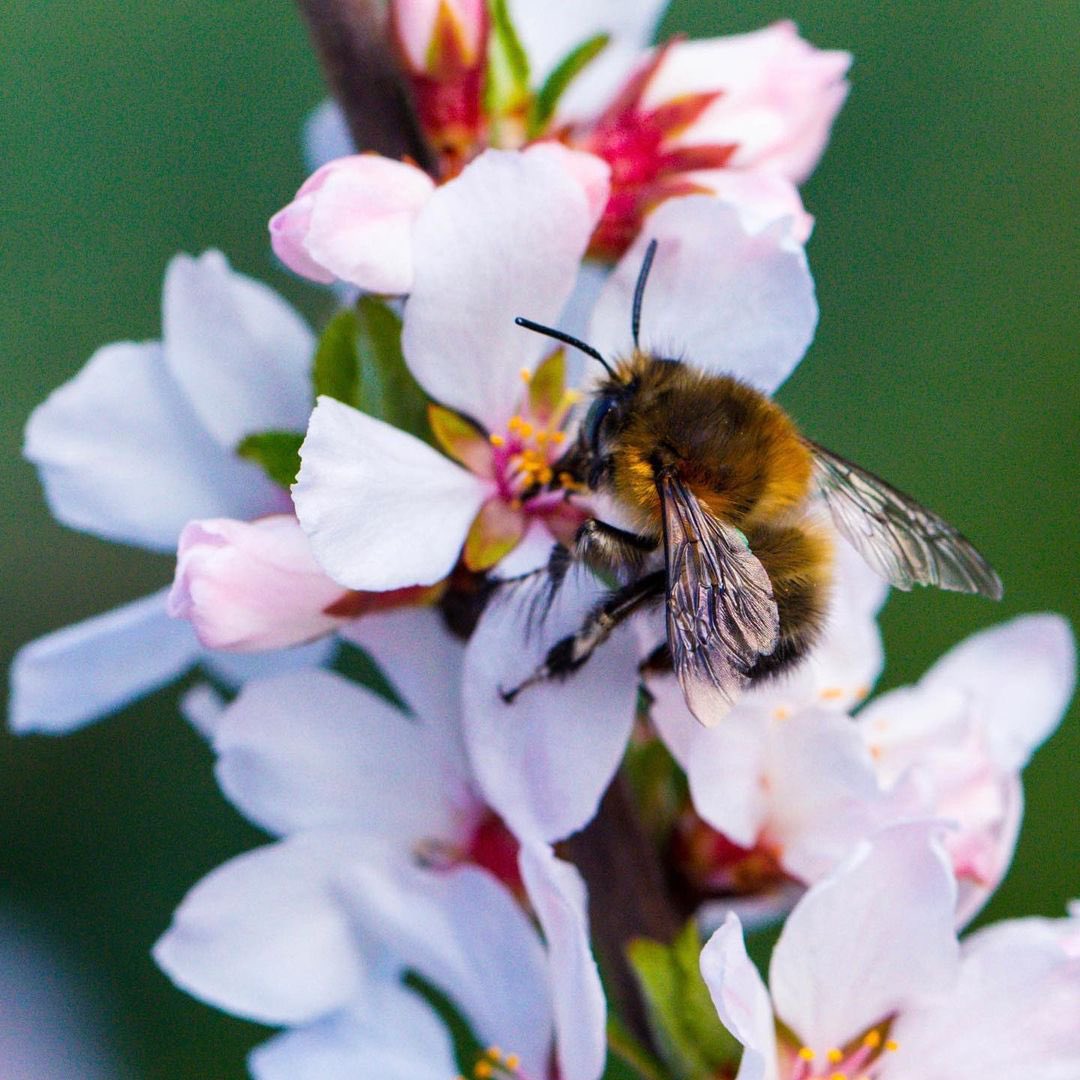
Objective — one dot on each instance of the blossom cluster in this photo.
(395, 485)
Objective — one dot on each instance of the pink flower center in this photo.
(859, 1060)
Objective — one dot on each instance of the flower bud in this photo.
(352, 221)
(437, 36)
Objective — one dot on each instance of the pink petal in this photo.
(353, 220)
(248, 586)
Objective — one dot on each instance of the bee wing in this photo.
(721, 615)
(902, 541)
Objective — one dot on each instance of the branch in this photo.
(363, 74)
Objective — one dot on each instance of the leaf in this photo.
(506, 79)
(336, 371)
(277, 453)
(555, 85)
(467, 1047)
(686, 1029)
(388, 390)
(628, 1060)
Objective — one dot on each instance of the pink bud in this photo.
(352, 220)
(590, 171)
(439, 35)
(247, 586)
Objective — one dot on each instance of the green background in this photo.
(946, 262)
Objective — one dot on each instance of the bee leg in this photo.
(572, 651)
(606, 547)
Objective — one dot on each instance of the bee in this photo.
(723, 494)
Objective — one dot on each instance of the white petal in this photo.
(503, 239)
(673, 720)
(549, 31)
(266, 937)
(239, 352)
(723, 299)
(203, 708)
(122, 455)
(235, 669)
(544, 761)
(872, 937)
(726, 767)
(557, 893)
(1012, 1013)
(464, 932)
(532, 552)
(391, 1034)
(383, 509)
(741, 1000)
(90, 669)
(293, 753)
(1020, 676)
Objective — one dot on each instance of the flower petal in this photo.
(239, 352)
(265, 936)
(1021, 674)
(1012, 1012)
(557, 893)
(391, 1034)
(382, 509)
(741, 1000)
(464, 932)
(90, 669)
(122, 455)
(761, 199)
(544, 761)
(871, 938)
(252, 586)
(291, 752)
(726, 300)
(503, 239)
(326, 135)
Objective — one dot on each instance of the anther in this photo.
(496, 440)
(892, 1046)
(835, 1056)
(872, 1040)
(806, 1054)
(482, 1070)
(512, 1061)
(526, 375)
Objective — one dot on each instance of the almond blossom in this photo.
(400, 872)
(868, 981)
(141, 441)
(743, 118)
(383, 509)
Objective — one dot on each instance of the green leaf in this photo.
(627, 1059)
(568, 69)
(388, 390)
(686, 1029)
(359, 361)
(336, 371)
(506, 78)
(277, 453)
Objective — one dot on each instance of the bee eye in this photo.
(594, 421)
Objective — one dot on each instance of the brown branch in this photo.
(628, 897)
(363, 74)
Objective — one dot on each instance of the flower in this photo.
(725, 299)
(141, 441)
(382, 509)
(868, 981)
(396, 873)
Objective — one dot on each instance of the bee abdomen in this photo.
(798, 560)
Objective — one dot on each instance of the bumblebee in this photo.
(723, 494)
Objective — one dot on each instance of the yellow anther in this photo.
(496, 440)
(835, 1056)
(558, 437)
(781, 712)
(512, 1061)
(545, 475)
(831, 693)
(892, 1046)
(838, 1076)
(495, 1051)
(542, 437)
(526, 375)
(872, 1040)
(482, 1070)
(806, 1054)
(525, 429)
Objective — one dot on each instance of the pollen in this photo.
(872, 1040)
(483, 1069)
(835, 1056)
(806, 1054)
(832, 693)
(892, 1046)
(497, 440)
(526, 375)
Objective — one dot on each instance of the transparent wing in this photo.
(901, 540)
(721, 616)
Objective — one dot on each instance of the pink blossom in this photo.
(352, 220)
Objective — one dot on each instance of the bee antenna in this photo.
(639, 289)
(567, 339)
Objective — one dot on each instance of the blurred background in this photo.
(946, 259)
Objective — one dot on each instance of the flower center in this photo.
(489, 844)
(856, 1061)
(525, 453)
(493, 1064)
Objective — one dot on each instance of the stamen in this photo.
(526, 375)
(496, 440)
(872, 1040)
(832, 693)
(806, 1054)
(483, 1069)
(892, 1046)
(835, 1056)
